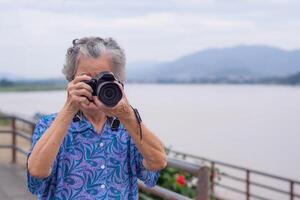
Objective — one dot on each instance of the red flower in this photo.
(181, 180)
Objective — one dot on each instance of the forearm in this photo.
(150, 146)
(47, 147)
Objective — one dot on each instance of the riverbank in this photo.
(31, 88)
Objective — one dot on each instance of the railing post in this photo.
(212, 177)
(32, 131)
(203, 189)
(14, 157)
(247, 184)
(291, 190)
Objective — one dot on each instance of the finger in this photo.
(97, 102)
(81, 78)
(85, 105)
(84, 92)
(81, 99)
(118, 104)
(90, 106)
(101, 105)
(80, 93)
(122, 89)
(81, 85)
(120, 85)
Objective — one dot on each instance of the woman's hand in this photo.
(78, 93)
(122, 110)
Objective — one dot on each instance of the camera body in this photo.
(105, 86)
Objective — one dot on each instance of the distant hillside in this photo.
(61, 84)
(293, 79)
(236, 65)
(241, 63)
(30, 85)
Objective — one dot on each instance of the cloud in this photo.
(37, 33)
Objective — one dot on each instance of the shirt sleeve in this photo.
(149, 177)
(36, 185)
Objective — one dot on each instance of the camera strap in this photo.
(139, 120)
(114, 123)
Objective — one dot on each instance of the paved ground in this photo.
(13, 183)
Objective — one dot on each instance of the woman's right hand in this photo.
(47, 147)
(78, 93)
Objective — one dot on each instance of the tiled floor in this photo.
(13, 183)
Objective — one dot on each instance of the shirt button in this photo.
(102, 166)
(101, 144)
(102, 186)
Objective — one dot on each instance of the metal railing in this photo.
(203, 168)
(248, 179)
(15, 132)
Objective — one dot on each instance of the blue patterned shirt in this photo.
(90, 165)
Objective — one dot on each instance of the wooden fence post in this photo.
(14, 157)
(203, 187)
(32, 131)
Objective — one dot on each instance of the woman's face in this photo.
(93, 66)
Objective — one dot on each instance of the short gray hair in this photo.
(95, 47)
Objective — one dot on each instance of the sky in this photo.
(35, 34)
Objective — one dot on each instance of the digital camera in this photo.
(105, 87)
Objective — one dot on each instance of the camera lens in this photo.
(109, 93)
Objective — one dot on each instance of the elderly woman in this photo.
(88, 158)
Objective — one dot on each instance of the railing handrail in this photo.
(233, 166)
(202, 172)
(245, 181)
(11, 116)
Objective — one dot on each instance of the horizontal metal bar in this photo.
(8, 116)
(162, 192)
(271, 188)
(27, 121)
(230, 188)
(208, 160)
(274, 176)
(23, 135)
(260, 185)
(218, 198)
(240, 191)
(234, 178)
(5, 117)
(183, 165)
(258, 197)
(21, 150)
(3, 146)
(8, 131)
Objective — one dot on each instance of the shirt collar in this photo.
(84, 123)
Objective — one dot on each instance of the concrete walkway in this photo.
(13, 184)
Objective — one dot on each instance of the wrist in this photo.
(128, 117)
(68, 109)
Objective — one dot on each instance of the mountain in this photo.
(134, 69)
(234, 63)
(9, 76)
(293, 79)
